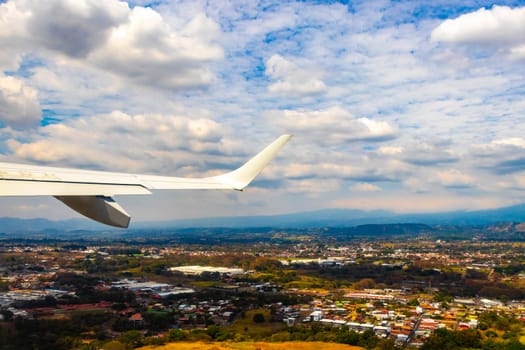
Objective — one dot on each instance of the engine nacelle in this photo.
(99, 208)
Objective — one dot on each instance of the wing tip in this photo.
(244, 175)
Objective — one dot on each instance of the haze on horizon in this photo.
(409, 106)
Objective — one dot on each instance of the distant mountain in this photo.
(20, 226)
(320, 218)
(353, 217)
(515, 213)
(388, 229)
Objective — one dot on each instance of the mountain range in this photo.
(319, 218)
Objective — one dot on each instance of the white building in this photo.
(316, 316)
(197, 270)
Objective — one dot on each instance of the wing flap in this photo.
(53, 188)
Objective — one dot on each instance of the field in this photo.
(252, 346)
(253, 330)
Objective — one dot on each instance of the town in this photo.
(293, 286)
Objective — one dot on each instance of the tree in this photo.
(413, 302)
(444, 339)
(176, 334)
(347, 337)
(368, 339)
(198, 335)
(491, 334)
(158, 320)
(258, 318)
(114, 345)
(365, 283)
(8, 315)
(386, 344)
(132, 338)
(514, 345)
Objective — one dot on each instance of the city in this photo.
(285, 285)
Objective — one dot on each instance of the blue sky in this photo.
(410, 106)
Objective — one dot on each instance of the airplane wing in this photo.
(90, 192)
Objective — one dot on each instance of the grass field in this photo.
(253, 330)
(252, 346)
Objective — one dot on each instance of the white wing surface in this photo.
(89, 192)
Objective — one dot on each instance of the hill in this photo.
(252, 346)
(353, 217)
(313, 219)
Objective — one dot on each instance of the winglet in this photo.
(241, 177)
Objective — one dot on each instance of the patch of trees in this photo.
(244, 300)
(444, 339)
(490, 324)
(74, 281)
(157, 320)
(157, 268)
(313, 332)
(123, 251)
(489, 289)
(50, 334)
(99, 265)
(317, 332)
(509, 270)
(74, 246)
(88, 295)
(258, 318)
(4, 286)
(387, 275)
(48, 301)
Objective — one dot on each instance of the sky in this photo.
(408, 106)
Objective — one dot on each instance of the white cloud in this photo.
(422, 203)
(518, 52)
(454, 178)
(12, 30)
(417, 184)
(136, 44)
(12, 20)
(150, 143)
(334, 126)
(292, 79)
(378, 130)
(366, 187)
(323, 170)
(312, 187)
(430, 154)
(19, 105)
(146, 50)
(390, 150)
(499, 27)
(514, 141)
(74, 27)
(502, 156)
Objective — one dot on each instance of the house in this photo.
(316, 316)
(137, 319)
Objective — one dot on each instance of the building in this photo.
(198, 270)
